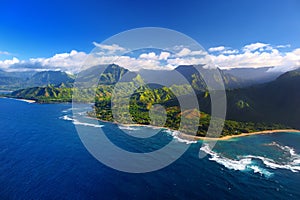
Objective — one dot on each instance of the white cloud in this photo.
(216, 49)
(255, 46)
(64, 61)
(223, 50)
(252, 56)
(150, 55)
(7, 63)
(187, 52)
(283, 46)
(70, 62)
(4, 53)
(164, 55)
(281, 61)
(184, 52)
(230, 51)
(104, 49)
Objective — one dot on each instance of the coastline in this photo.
(25, 100)
(228, 137)
(195, 138)
(184, 135)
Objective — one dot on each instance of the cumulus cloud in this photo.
(230, 51)
(223, 50)
(251, 56)
(255, 59)
(283, 46)
(4, 53)
(5, 64)
(113, 47)
(150, 55)
(255, 46)
(164, 55)
(70, 62)
(215, 49)
(184, 52)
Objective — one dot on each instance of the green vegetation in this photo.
(15, 81)
(144, 98)
(257, 108)
(48, 94)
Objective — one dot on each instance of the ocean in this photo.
(42, 157)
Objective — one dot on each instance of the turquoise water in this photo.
(42, 157)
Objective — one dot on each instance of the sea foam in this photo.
(247, 162)
(129, 128)
(76, 122)
(176, 135)
(242, 164)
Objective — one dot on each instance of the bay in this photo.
(42, 157)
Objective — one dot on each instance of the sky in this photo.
(248, 33)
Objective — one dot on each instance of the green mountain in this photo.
(254, 76)
(273, 102)
(104, 74)
(9, 81)
(49, 78)
(256, 108)
(190, 74)
(15, 80)
(45, 94)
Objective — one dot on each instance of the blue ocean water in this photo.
(42, 157)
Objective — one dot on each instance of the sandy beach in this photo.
(191, 137)
(26, 100)
(185, 136)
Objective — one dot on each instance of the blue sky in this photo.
(43, 28)
(35, 29)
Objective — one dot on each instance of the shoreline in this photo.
(184, 135)
(228, 137)
(25, 100)
(196, 138)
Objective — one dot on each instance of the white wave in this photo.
(294, 160)
(129, 128)
(176, 135)
(24, 100)
(67, 110)
(72, 109)
(66, 117)
(243, 164)
(284, 148)
(274, 165)
(76, 122)
(246, 162)
(228, 163)
(82, 113)
(257, 169)
(87, 124)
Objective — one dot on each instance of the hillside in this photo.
(273, 102)
(18, 80)
(254, 76)
(45, 94)
(188, 74)
(49, 78)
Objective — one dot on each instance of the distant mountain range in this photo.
(252, 76)
(17, 80)
(233, 78)
(276, 101)
(188, 74)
